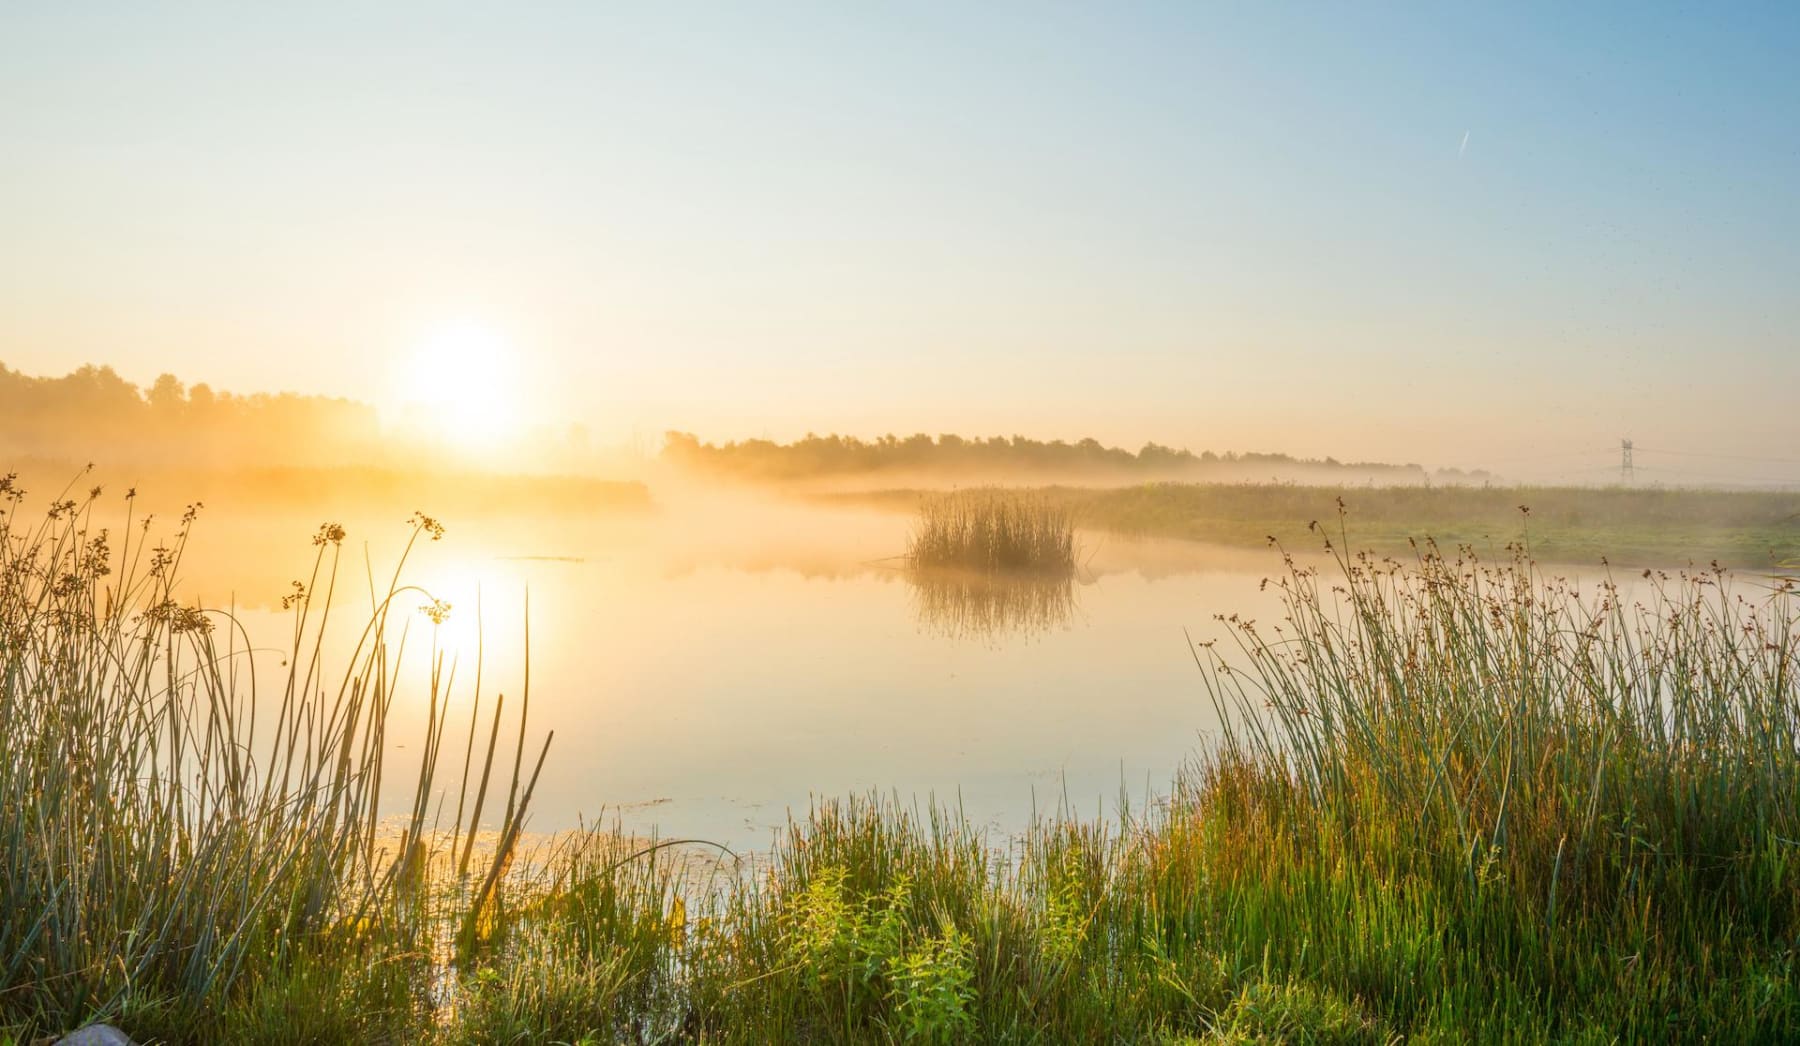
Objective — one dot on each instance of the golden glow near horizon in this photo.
(1317, 232)
(460, 385)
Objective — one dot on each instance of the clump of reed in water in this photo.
(994, 530)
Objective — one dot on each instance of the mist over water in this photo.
(712, 665)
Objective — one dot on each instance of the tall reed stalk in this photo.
(168, 825)
(1594, 793)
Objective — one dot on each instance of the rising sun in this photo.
(460, 385)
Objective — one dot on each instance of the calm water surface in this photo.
(714, 667)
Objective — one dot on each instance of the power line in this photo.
(1726, 457)
(1628, 470)
(1714, 477)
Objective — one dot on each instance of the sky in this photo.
(1497, 236)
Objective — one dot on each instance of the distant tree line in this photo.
(94, 413)
(826, 456)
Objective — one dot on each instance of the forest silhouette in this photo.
(95, 414)
(1022, 458)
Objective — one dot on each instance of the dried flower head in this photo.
(428, 524)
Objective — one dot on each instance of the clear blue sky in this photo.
(1501, 235)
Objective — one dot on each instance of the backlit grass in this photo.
(1455, 801)
(187, 847)
(993, 530)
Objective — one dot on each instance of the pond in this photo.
(711, 667)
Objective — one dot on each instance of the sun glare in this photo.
(461, 385)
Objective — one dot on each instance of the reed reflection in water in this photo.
(967, 604)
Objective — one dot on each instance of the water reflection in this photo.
(707, 676)
(960, 604)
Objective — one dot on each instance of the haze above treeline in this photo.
(1317, 229)
(94, 414)
(269, 460)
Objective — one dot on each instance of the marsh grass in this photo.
(1456, 801)
(176, 833)
(1453, 801)
(993, 530)
(1492, 790)
(1642, 526)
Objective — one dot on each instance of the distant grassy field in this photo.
(1628, 527)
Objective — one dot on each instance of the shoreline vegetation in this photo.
(1454, 800)
(1626, 527)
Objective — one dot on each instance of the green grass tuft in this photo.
(993, 530)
